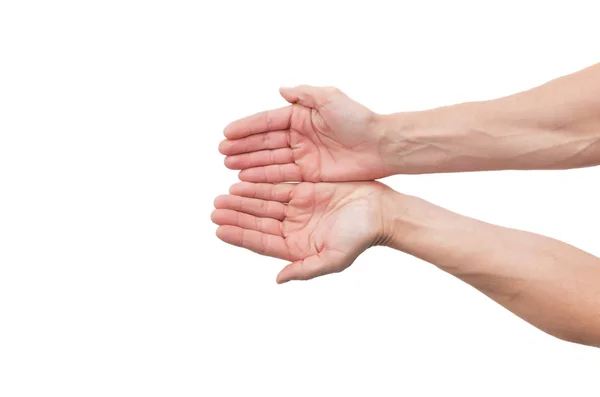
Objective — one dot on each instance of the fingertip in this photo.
(234, 162)
(227, 129)
(243, 176)
(219, 200)
(286, 274)
(223, 146)
(220, 217)
(219, 233)
(228, 162)
(286, 93)
(236, 188)
(227, 233)
(281, 279)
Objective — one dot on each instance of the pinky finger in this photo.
(261, 243)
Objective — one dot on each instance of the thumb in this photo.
(309, 96)
(323, 263)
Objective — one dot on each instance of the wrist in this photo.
(422, 229)
(402, 219)
(450, 241)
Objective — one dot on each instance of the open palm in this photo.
(322, 228)
(324, 136)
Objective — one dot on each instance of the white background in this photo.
(112, 282)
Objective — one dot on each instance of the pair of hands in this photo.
(320, 227)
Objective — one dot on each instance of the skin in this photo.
(324, 136)
(321, 227)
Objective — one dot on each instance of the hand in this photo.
(321, 230)
(323, 137)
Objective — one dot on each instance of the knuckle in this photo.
(264, 244)
(258, 224)
(268, 119)
(264, 206)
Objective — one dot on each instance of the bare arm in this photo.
(327, 137)
(550, 284)
(321, 228)
(554, 126)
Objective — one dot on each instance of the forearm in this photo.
(550, 284)
(554, 126)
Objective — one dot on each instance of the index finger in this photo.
(270, 120)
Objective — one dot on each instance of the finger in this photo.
(252, 206)
(325, 262)
(264, 191)
(253, 143)
(261, 243)
(257, 159)
(309, 96)
(270, 120)
(246, 221)
(272, 173)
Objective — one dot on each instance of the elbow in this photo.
(593, 342)
(587, 337)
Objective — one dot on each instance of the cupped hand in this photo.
(320, 227)
(324, 136)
